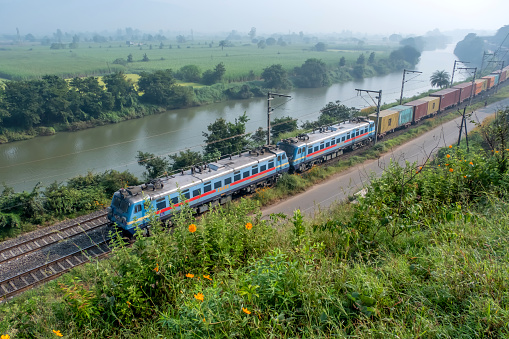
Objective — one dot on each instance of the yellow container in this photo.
(387, 120)
(433, 104)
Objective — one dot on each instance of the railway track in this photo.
(51, 270)
(42, 241)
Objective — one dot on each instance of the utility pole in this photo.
(379, 97)
(403, 83)
(473, 82)
(498, 62)
(463, 118)
(484, 54)
(270, 96)
(454, 68)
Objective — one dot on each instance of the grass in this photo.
(27, 62)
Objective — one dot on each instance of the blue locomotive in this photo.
(200, 187)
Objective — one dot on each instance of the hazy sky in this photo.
(385, 17)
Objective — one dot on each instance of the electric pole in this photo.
(463, 118)
(454, 68)
(403, 83)
(498, 62)
(473, 82)
(379, 97)
(484, 54)
(270, 96)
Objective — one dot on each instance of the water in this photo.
(65, 155)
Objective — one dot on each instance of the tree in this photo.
(145, 58)
(226, 137)
(407, 54)
(155, 166)
(342, 61)
(439, 79)
(211, 77)
(30, 37)
(276, 77)
(223, 44)
(189, 73)
(313, 73)
(261, 44)
(282, 125)
(470, 48)
(121, 89)
(361, 59)
(334, 112)
(181, 39)
(259, 137)
(130, 58)
(160, 88)
(184, 160)
(320, 47)
(252, 33)
(270, 41)
(371, 59)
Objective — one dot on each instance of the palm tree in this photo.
(223, 44)
(439, 79)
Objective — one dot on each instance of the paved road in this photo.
(347, 183)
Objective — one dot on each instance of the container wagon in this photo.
(490, 81)
(449, 97)
(465, 90)
(406, 115)
(480, 86)
(433, 104)
(388, 120)
(420, 108)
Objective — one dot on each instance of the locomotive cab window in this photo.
(137, 208)
(284, 156)
(236, 176)
(310, 150)
(271, 164)
(263, 168)
(299, 150)
(278, 158)
(217, 184)
(254, 169)
(161, 203)
(196, 192)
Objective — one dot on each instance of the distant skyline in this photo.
(277, 16)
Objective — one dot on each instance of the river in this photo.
(65, 155)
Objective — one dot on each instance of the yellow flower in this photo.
(450, 146)
(199, 296)
(438, 165)
(246, 311)
(471, 163)
(207, 277)
(451, 170)
(192, 228)
(249, 226)
(58, 334)
(5, 336)
(190, 275)
(448, 156)
(157, 268)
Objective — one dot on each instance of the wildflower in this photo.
(199, 296)
(190, 275)
(5, 336)
(246, 311)
(496, 151)
(471, 163)
(451, 170)
(438, 165)
(192, 228)
(507, 149)
(420, 168)
(416, 172)
(249, 226)
(465, 176)
(58, 334)
(448, 155)
(128, 303)
(157, 268)
(446, 164)
(450, 146)
(207, 277)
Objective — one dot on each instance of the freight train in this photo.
(205, 186)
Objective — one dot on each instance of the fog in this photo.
(205, 17)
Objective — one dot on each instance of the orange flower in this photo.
(448, 156)
(249, 226)
(190, 275)
(446, 164)
(192, 228)
(416, 172)
(420, 168)
(199, 296)
(5, 336)
(465, 176)
(207, 277)
(58, 334)
(471, 163)
(246, 311)
(450, 146)
(128, 303)
(157, 268)
(451, 170)
(438, 165)
(496, 151)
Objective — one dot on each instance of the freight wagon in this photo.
(388, 121)
(449, 97)
(420, 109)
(480, 85)
(490, 81)
(465, 91)
(433, 104)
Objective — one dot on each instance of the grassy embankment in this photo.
(424, 254)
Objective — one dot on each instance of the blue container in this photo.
(406, 114)
(497, 77)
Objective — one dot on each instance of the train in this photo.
(208, 185)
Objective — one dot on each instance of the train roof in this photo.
(199, 174)
(325, 133)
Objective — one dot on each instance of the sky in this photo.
(384, 17)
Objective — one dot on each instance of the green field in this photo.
(29, 61)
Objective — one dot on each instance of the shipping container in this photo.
(420, 108)
(503, 75)
(480, 85)
(497, 77)
(490, 81)
(405, 114)
(448, 97)
(433, 104)
(506, 71)
(465, 90)
(387, 121)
